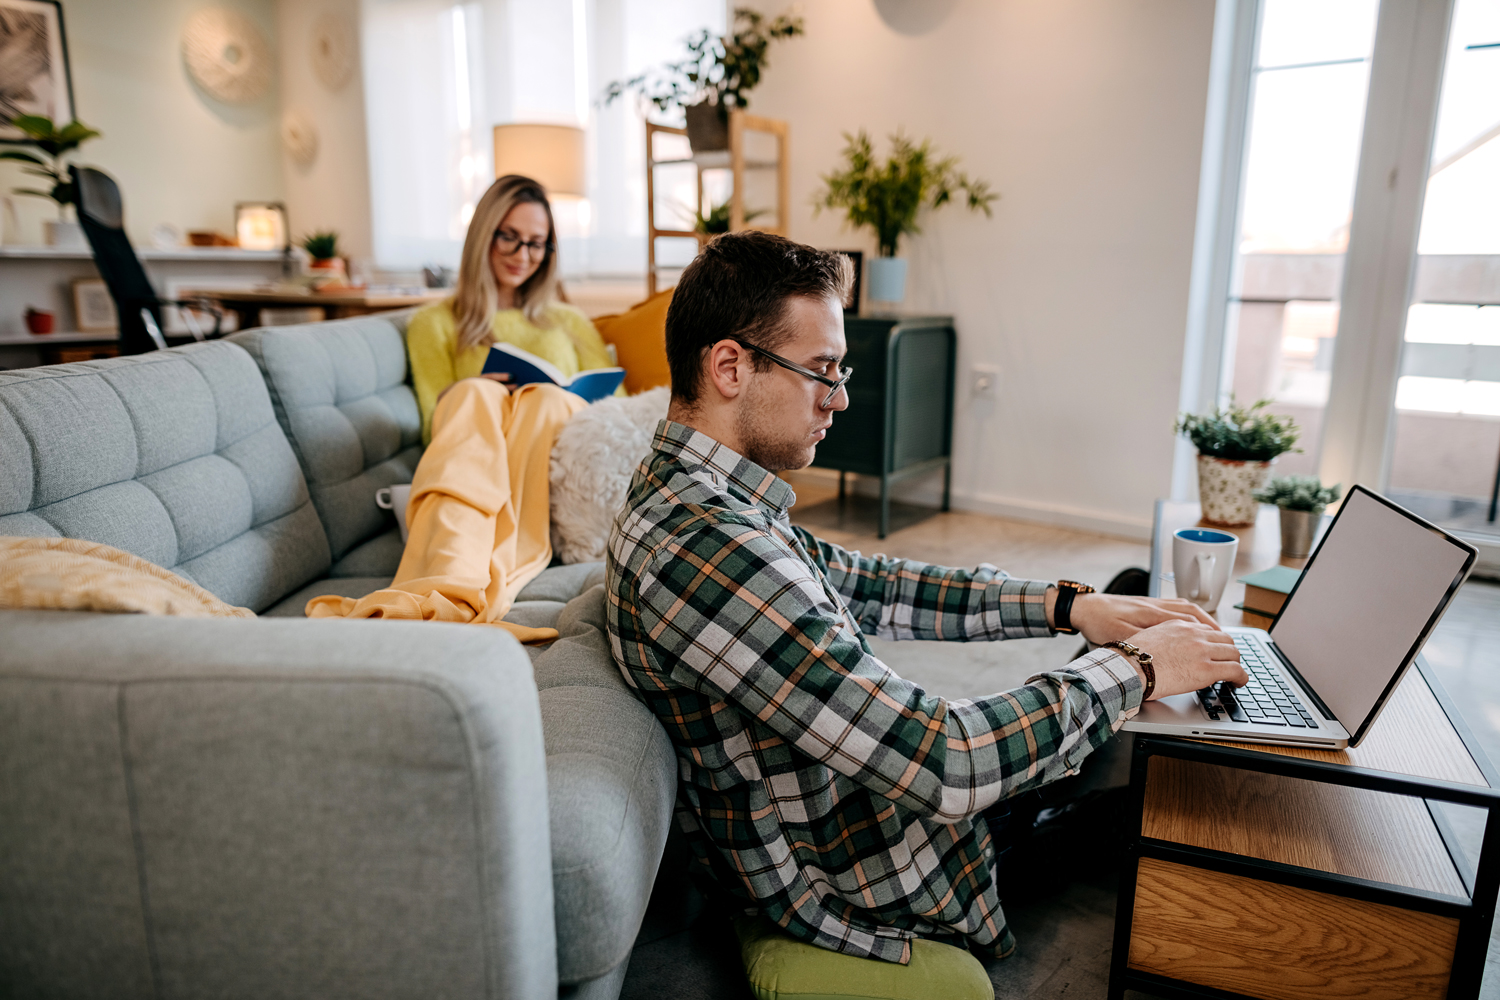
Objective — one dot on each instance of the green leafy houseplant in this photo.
(55, 144)
(1305, 493)
(1238, 433)
(716, 220)
(887, 196)
(321, 245)
(719, 71)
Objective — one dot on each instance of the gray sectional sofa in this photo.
(284, 807)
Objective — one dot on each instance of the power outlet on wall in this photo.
(985, 381)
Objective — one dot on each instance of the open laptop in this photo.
(1374, 589)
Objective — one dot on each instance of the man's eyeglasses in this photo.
(508, 243)
(834, 385)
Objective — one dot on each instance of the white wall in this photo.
(1087, 116)
(333, 192)
(179, 156)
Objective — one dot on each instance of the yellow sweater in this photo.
(571, 343)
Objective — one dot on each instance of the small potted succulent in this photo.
(714, 78)
(1236, 446)
(323, 248)
(1301, 500)
(887, 197)
(55, 144)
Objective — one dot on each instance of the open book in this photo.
(525, 368)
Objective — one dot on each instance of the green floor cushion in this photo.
(783, 968)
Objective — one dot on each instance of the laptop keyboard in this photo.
(1267, 699)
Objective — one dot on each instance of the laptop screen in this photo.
(1365, 602)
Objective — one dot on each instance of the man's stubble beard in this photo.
(763, 435)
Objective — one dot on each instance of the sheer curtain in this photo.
(439, 75)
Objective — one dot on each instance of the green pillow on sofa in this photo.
(782, 968)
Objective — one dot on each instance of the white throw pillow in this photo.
(596, 455)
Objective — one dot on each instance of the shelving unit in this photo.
(738, 162)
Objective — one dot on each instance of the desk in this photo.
(1294, 874)
(335, 305)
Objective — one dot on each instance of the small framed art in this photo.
(36, 79)
(93, 306)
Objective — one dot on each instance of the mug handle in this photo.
(1205, 576)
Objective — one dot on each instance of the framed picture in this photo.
(34, 74)
(93, 306)
(857, 258)
(260, 225)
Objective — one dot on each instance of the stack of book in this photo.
(1265, 593)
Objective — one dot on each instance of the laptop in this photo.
(1370, 595)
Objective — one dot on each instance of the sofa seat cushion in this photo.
(380, 556)
(611, 782)
(343, 586)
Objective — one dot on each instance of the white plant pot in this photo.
(887, 279)
(65, 235)
(1224, 488)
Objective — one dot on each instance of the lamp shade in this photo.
(550, 154)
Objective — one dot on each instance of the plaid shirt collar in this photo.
(742, 477)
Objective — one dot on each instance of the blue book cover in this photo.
(525, 368)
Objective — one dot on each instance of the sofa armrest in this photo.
(264, 808)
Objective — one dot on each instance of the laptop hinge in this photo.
(1302, 682)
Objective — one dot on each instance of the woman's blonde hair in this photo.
(475, 297)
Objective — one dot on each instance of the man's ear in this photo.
(727, 367)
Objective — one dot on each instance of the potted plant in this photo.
(715, 221)
(715, 77)
(1236, 446)
(55, 143)
(1301, 500)
(888, 196)
(323, 248)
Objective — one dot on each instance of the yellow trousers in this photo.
(478, 521)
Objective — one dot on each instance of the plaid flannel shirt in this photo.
(816, 785)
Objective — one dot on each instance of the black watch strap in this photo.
(1062, 611)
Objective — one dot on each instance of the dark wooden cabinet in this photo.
(900, 417)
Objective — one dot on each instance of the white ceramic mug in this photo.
(394, 498)
(1202, 560)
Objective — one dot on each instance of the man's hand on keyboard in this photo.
(1188, 656)
(1111, 617)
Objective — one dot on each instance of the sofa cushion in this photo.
(174, 456)
(339, 390)
(611, 782)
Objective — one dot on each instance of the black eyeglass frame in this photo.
(834, 385)
(540, 249)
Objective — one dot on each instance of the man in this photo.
(818, 787)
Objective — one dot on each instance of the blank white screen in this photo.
(1362, 602)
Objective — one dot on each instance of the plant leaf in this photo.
(18, 154)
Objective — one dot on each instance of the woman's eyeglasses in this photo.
(508, 243)
(834, 385)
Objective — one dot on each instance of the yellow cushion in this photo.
(70, 574)
(640, 338)
(783, 968)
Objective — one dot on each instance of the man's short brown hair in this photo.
(738, 288)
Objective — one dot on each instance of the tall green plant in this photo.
(1239, 433)
(56, 143)
(887, 196)
(719, 70)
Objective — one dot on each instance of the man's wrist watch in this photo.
(1062, 611)
(1142, 659)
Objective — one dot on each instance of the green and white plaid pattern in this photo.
(815, 784)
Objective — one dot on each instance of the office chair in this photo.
(139, 307)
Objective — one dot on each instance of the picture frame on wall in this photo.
(93, 306)
(857, 258)
(35, 77)
(261, 225)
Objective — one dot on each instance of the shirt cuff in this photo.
(1020, 608)
(1114, 681)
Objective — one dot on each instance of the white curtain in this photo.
(439, 75)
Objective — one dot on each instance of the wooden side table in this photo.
(900, 417)
(1293, 874)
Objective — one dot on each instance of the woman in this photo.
(507, 291)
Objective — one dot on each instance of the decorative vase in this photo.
(887, 279)
(64, 235)
(40, 321)
(707, 132)
(1224, 488)
(1297, 530)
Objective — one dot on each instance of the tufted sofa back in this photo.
(339, 390)
(175, 456)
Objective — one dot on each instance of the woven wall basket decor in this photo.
(226, 55)
(299, 137)
(334, 49)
